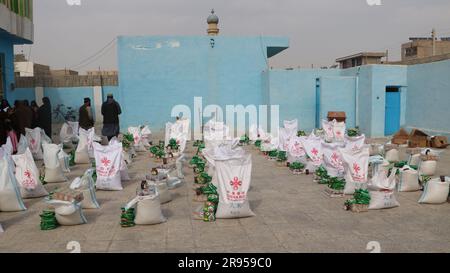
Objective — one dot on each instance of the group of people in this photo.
(14, 120)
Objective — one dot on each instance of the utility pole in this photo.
(433, 36)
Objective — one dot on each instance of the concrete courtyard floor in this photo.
(292, 215)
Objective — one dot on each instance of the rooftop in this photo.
(363, 54)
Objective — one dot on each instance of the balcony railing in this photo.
(23, 8)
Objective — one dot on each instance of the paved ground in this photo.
(292, 215)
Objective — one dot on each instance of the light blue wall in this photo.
(110, 89)
(338, 94)
(159, 72)
(372, 81)
(295, 92)
(69, 96)
(428, 97)
(383, 76)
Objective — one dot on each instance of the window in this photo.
(411, 51)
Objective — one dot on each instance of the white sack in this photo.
(382, 195)
(86, 185)
(27, 175)
(64, 160)
(356, 165)
(382, 200)
(355, 143)
(10, 197)
(339, 131)
(313, 148)
(8, 150)
(392, 155)
(148, 210)
(234, 177)
(414, 160)
(296, 152)
(82, 151)
(68, 213)
(333, 159)
(427, 167)
(23, 145)
(327, 127)
(137, 137)
(53, 170)
(34, 142)
(408, 180)
(90, 138)
(107, 162)
(435, 191)
(164, 194)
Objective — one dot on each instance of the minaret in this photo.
(213, 21)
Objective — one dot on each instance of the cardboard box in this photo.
(418, 138)
(338, 116)
(401, 137)
(439, 142)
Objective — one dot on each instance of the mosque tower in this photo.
(213, 21)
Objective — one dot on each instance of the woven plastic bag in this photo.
(356, 164)
(148, 209)
(435, 191)
(313, 148)
(34, 142)
(86, 185)
(53, 169)
(82, 151)
(382, 194)
(68, 213)
(408, 180)
(332, 159)
(10, 197)
(27, 175)
(234, 177)
(107, 161)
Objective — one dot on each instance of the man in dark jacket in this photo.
(86, 119)
(45, 116)
(111, 111)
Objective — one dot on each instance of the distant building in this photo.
(63, 72)
(25, 68)
(363, 58)
(102, 73)
(419, 48)
(16, 28)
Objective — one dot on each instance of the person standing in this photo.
(45, 116)
(111, 111)
(23, 117)
(35, 109)
(86, 118)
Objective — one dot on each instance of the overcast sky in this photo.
(319, 30)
